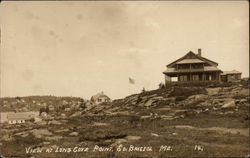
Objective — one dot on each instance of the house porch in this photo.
(193, 76)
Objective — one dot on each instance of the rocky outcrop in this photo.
(229, 104)
(39, 133)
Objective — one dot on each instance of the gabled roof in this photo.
(211, 68)
(99, 95)
(188, 61)
(230, 72)
(20, 116)
(210, 62)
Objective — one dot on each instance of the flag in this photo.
(131, 81)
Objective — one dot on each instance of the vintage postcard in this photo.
(124, 79)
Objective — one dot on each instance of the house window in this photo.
(183, 66)
(174, 79)
(195, 77)
(183, 78)
(197, 66)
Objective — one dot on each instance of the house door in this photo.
(195, 78)
(210, 77)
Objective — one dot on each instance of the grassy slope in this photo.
(216, 143)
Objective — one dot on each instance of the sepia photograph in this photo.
(124, 79)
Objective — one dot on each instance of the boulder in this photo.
(37, 119)
(132, 99)
(154, 134)
(158, 98)
(22, 134)
(164, 109)
(229, 104)
(240, 91)
(118, 142)
(175, 134)
(54, 122)
(39, 133)
(197, 97)
(73, 134)
(53, 138)
(145, 117)
(100, 124)
(242, 101)
(46, 143)
(213, 91)
(78, 113)
(42, 123)
(244, 92)
(149, 102)
(167, 117)
(172, 104)
(67, 109)
(62, 130)
(133, 137)
(7, 138)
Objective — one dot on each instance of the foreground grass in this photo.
(182, 141)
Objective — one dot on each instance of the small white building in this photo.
(20, 117)
(100, 98)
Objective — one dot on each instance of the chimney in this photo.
(199, 52)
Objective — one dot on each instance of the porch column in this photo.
(177, 68)
(190, 79)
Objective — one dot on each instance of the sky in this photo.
(81, 48)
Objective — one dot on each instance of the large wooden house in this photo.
(191, 68)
